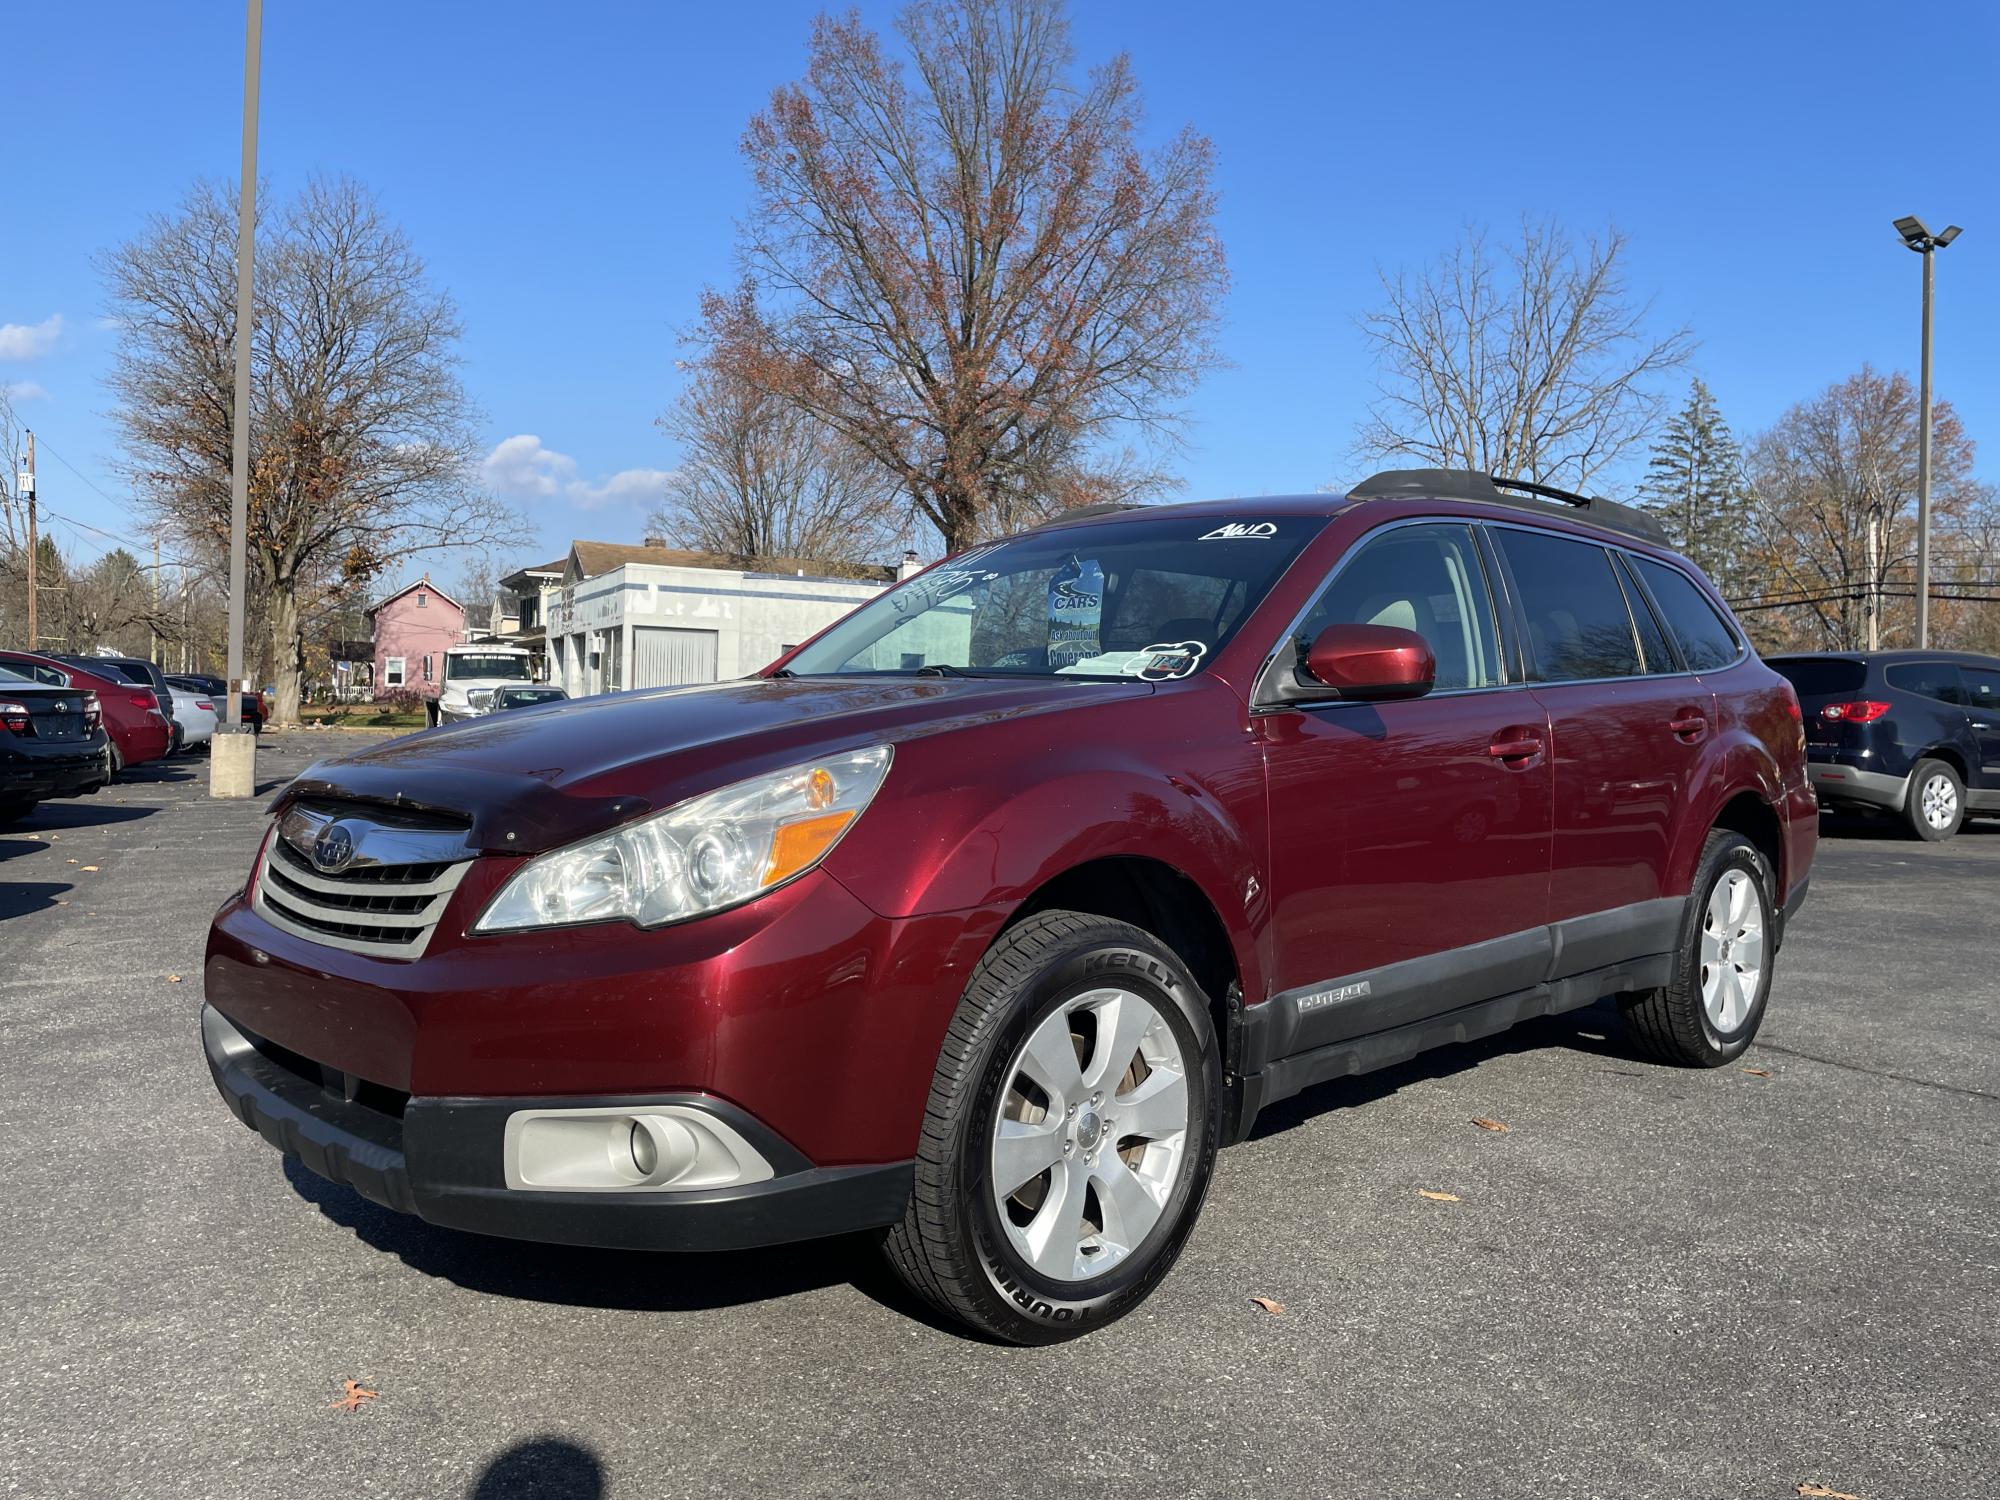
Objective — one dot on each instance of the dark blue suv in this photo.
(1916, 733)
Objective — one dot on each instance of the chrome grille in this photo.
(378, 885)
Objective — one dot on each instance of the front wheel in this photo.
(1936, 804)
(1707, 1016)
(1072, 1127)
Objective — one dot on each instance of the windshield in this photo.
(498, 664)
(1151, 599)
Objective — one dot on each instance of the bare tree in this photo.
(1835, 488)
(361, 434)
(973, 271)
(760, 477)
(1531, 364)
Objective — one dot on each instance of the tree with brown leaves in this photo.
(760, 478)
(1535, 363)
(1835, 485)
(969, 267)
(361, 434)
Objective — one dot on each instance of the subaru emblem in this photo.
(333, 850)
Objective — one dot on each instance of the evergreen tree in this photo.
(1696, 488)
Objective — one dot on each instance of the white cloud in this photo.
(524, 470)
(30, 340)
(25, 390)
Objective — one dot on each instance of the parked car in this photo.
(251, 710)
(538, 695)
(52, 744)
(1911, 733)
(194, 716)
(136, 730)
(987, 915)
(472, 674)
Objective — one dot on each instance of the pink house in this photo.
(412, 628)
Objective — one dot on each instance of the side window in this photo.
(1422, 578)
(51, 676)
(1652, 639)
(1578, 624)
(1928, 679)
(392, 671)
(1981, 690)
(1706, 639)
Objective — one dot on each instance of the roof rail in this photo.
(1491, 489)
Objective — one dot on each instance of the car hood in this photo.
(537, 778)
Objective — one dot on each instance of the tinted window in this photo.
(1422, 578)
(1652, 640)
(1706, 641)
(1821, 676)
(8, 674)
(1981, 688)
(1578, 625)
(1929, 679)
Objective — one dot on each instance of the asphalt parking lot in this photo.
(1655, 1283)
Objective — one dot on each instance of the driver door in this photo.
(1410, 840)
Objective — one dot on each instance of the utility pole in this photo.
(153, 619)
(34, 597)
(232, 759)
(1918, 238)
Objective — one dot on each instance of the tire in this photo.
(1935, 807)
(1034, 1010)
(116, 757)
(1707, 1016)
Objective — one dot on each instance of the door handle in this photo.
(1512, 750)
(1689, 728)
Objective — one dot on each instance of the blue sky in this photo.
(571, 175)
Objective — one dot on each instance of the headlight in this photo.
(698, 856)
(480, 700)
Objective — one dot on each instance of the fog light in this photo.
(635, 1149)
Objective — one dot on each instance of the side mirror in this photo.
(1372, 661)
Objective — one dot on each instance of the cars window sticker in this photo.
(932, 589)
(1076, 606)
(1158, 663)
(1241, 531)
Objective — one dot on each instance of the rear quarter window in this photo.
(1821, 676)
(1707, 641)
(1927, 679)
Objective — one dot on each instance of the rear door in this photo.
(1981, 690)
(1410, 840)
(1627, 730)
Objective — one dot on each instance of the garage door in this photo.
(667, 658)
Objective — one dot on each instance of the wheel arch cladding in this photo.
(1159, 899)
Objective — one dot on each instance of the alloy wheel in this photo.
(1732, 950)
(1939, 801)
(1090, 1137)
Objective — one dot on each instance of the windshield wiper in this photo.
(940, 669)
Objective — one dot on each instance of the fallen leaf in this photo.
(1437, 1197)
(1758, 1072)
(1821, 1492)
(353, 1395)
(90, 869)
(173, 979)
(1493, 1125)
(72, 861)
(1274, 1308)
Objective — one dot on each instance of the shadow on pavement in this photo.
(18, 898)
(1893, 830)
(1596, 1029)
(543, 1468)
(73, 812)
(629, 1280)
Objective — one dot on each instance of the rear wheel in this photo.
(1072, 1127)
(1707, 1016)
(1935, 808)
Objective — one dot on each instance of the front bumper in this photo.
(1844, 784)
(442, 1159)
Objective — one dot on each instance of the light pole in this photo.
(1926, 244)
(232, 766)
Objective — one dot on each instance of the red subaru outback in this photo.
(987, 916)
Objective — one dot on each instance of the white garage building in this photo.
(653, 616)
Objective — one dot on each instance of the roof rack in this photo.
(1491, 489)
